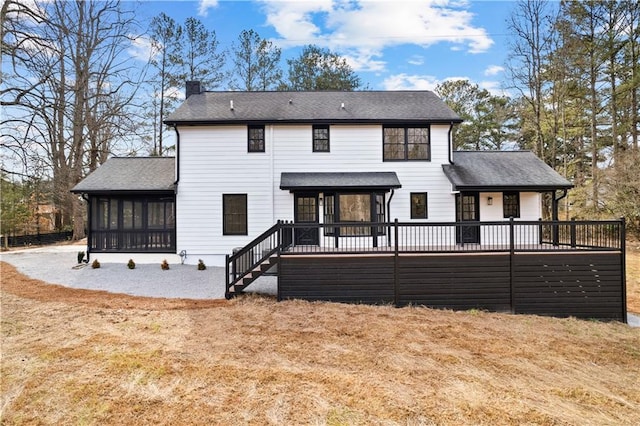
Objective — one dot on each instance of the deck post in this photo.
(226, 276)
(573, 232)
(540, 232)
(278, 251)
(511, 262)
(396, 267)
(623, 251)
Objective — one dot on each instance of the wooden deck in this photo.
(522, 267)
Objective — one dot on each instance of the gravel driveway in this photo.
(55, 264)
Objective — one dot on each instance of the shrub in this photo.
(201, 265)
(80, 256)
(95, 264)
(131, 264)
(164, 265)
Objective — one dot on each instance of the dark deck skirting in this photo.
(584, 285)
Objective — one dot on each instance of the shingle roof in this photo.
(366, 106)
(353, 180)
(502, 170)
(130, 174)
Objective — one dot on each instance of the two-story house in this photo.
(245, 160)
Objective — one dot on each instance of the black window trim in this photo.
(335, 196)
(246, 214)
(313, 137)
(426, 205)
(264, 143)
(517, 204)
(406, 142)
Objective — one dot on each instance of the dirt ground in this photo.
(85, 357)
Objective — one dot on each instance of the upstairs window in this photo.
(511, 204)
(406, 143)
(256, 139)
(320, 138)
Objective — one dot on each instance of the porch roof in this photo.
(325, 181)
(130, 174)
(502, 171)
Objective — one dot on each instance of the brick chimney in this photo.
(193, 88)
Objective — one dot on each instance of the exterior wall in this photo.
(530, 210)
(530, 206)
(215, 161)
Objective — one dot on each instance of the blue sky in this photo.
(392, 45)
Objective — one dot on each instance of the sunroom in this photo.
(131, 206)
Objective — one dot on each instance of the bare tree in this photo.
(68, 88)
(166, 38)
(531, 24)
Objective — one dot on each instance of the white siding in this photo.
(530, 210)
(530, 206)
(215, 161)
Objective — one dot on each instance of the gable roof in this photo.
(130, 174)
(347, 180)
(296, 107)
(502, 170)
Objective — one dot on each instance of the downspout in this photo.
(393, 191)
(555, 216)
(175, 192)
(556, 203)
(175, 127)
(450, 143)
(84, 197)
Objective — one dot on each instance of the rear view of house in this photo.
(348, 172)
(248, 159)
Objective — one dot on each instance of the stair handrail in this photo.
(232, 274)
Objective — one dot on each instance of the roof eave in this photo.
(518, 188)
(308, 120)
(338, 187)
(123, 191)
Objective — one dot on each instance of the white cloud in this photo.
(493, 70)
(410, 82)
(140, 48)
(205, 5)
(364, 60)
(372, 26)
(494, 87)
(416, 60)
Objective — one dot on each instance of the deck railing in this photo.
(245, 259)
(434, 237)
(447, 237)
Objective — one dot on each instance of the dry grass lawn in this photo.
(633, 277)
(81, 357)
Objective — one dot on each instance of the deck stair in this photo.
(258, 258)
(262, 268)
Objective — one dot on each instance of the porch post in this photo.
(511, 263)
(623, 266)
(396, 266)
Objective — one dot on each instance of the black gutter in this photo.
(268, 121)
(450, 144)
(89, 214)
(531, 188)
